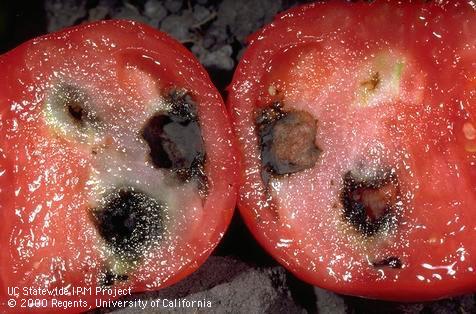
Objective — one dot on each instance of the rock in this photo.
(178, 26)
(129, 12)
(61, 14)
(98, 13)
(218, 35)
(329, 302)
(220, 58)
(173, 5)
(230, 285)
(200, 13)
(155, 10)
(245, 17)
(463, 304)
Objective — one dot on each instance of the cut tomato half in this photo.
(356, 124)
(117, 164)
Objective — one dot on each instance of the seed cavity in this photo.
(370, 204)
(287, 141)
(130, 221)
(175, 139)
(391, 262)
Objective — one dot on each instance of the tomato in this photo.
(357, 131)
(118, 167)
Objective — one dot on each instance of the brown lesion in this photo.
(373, 83)
(76, 103)
(375, 200)
(370, 204)
(71, 109)
(287, 140)
(76, 111)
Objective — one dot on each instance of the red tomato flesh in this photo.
(117, 164)
(379, 201)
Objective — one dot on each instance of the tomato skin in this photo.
(47, 236)
(309, 54)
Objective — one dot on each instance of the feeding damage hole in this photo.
(372, 83)
(287, 141)
(76, 112)
(370, 204)
(175, 138)
(129, 222)
(70, 105)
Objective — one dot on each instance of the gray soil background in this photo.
(239, 277)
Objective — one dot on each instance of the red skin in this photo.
(313, 56)
(114, 62)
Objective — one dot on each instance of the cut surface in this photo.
(117, 163)
(354, 121)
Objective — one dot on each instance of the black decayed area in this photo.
(109, 278)
(175, 138)
(129, 222)
(76, 111)
(356, 212)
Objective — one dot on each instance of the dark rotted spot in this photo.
(129, 222)
(109, 278)
(76, 111)
(175, 138)
(287, 141)
(391, 261)
(75, 102)
(372, 83)
(370, 204)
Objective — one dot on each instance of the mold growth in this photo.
(130, 221)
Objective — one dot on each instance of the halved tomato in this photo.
(357, 125)
(117, 165)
